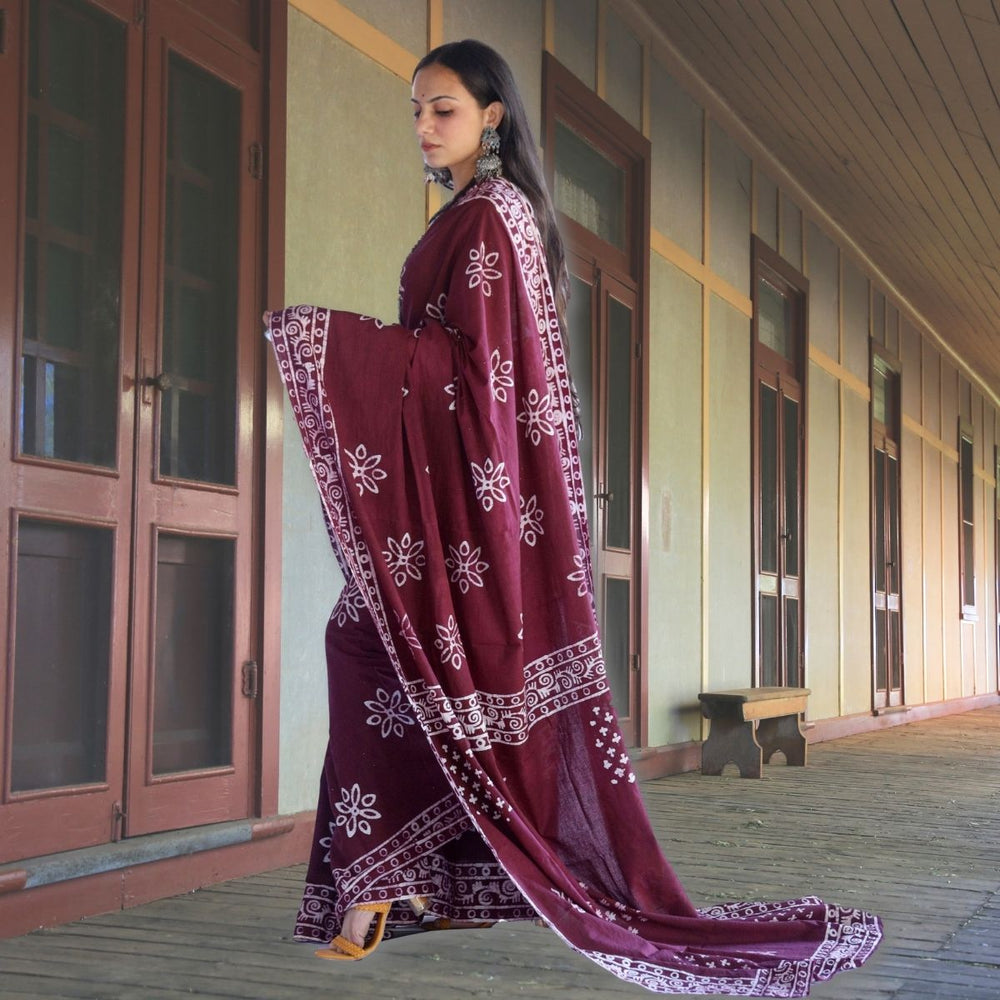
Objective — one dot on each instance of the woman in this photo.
(476, 771)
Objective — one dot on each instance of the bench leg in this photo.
(731, 740)
(784, 734)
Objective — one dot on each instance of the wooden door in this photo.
(887, 642)
(126, 457)
(779, 351)
(779, 535)
(604, 358)
(68, 294)
(190, 720)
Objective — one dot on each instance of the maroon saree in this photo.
(474, 754)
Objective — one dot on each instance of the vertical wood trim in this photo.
(706, 447)
(841, 492)
(272, 417)
(600, 51)
(435, 23)
(435, 37)
(549, 27)
(753, 204)
(779, 216)
(706, 298)
(645, 113)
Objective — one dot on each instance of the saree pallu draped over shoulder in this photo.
(475, 755)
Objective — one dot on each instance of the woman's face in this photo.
(450, 122)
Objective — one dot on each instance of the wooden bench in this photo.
(749, 724)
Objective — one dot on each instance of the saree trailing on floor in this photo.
(475, 756)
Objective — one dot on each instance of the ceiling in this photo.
(887, 112)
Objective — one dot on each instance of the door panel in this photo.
(190, 723)
(126, 475)
(779, 533)
(66, 470)
(602, 342)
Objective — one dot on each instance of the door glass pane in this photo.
(791, 665)
(790, 498)
(879, 401)
(774, 320)
(892, 528)
(768, 479)
(619, 461)
(894, 672)
(193, 688)
(198, 358)
(72, 234)
(881, 649)
(590, 189)
(880, 505)
(61, 655)
(580, 321)
(769, 640)
(616, 642)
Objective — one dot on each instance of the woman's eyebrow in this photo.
(440, 97)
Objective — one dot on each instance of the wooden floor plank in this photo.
(903, 822)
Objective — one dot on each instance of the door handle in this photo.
(163, 381)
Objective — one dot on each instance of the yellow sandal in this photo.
(340, 949)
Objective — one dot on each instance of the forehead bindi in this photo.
(438, 83)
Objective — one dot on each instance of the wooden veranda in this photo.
(905, 822)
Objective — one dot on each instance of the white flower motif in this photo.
(405, 559)
(579, 576)
(449, 644)
(466, 566)
(388, 713)
(536, 416)
(531, 520)
(436, 310)
(491, 481)
(350, 605)
(501, 373)
(452, 389)
(481, 270)
(365, 469)
(355, 810)
(372, 319)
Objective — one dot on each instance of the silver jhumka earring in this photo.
(488, 164)
(438, 175)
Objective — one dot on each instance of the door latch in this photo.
(250, 674)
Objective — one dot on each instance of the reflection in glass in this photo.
(72, 233)
(616, 642)
(192, 706)
(769, 640)
(880, 555)
(198, 405)
(774, 320)
(61, 655)
(589, 188)
(791, 643)
(618, 532)
(790, 440)
(768, 479)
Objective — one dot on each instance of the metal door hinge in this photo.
(117, 821)
(250, 675)
(3, 32)
(635, 662)
(638, 349)
(256, 162)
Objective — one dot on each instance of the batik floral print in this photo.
(365, 469)
(355, 812)
(389, 713)
(513, 665)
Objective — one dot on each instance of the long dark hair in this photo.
(486, 75)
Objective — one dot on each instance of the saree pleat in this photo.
(445, 454)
